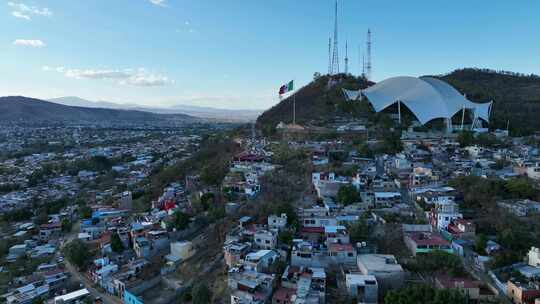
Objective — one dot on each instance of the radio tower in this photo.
(368, 66)
(346, 58)
(329, 55)
(363, 65)
(335, 55)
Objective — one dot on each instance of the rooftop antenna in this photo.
(346, 58)
(335, 55)
(329, 55)
(368, 66)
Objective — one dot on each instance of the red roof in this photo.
(284, 294)
(312, 230)
(341, 247)
(448, 282)
(51, 226)
(247, 156)
(428, 239)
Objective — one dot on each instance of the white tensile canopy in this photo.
(351, 95)
(427, 97)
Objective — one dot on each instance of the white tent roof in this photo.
(428, 98)
(351, 94)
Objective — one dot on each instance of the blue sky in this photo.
(236, 53)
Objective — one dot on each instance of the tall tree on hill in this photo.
(201, 294)
(116, 243)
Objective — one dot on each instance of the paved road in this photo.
(106, 298)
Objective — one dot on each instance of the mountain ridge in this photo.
(29, 110)
(196, 111)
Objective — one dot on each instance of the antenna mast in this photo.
(335, 55)
(363, 65)
(346, 58)
(329, 55)
(368, 67)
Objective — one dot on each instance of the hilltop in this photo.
(316, 104)
(516, 98)
(30, 110)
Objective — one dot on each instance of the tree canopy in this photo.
(77, 253)
(201, 294)
(347, 194)
(425, 294)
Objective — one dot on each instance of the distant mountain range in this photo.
(196, 111)
(29, 110)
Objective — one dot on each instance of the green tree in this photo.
(285, 237)
(216, 212)
(42, 216)
(85, 212)
(207, 200)
(359, 231)
(77, 253)
(480, 243)
(116, 243)
(465, 138)
(181, 220)
(521, 188)
(289, 210)
(213, 173)
(391, 143)
(66, 225)
(425, 294)
(438, 261)
(364, 150)
(185, 296)
(347, 194)
(201, 294)
(38, 301)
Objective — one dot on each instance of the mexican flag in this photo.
(288, 87)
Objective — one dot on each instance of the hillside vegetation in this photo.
(316, 104)
(516, 98)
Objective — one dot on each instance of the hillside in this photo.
(516, 96)
(30, 110)
(316, 104)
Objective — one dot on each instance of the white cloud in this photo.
(29, 42)
(95, 74)
(24, 11)
(143, 79)
(158, 2)
(20, 15)
(136, 77)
